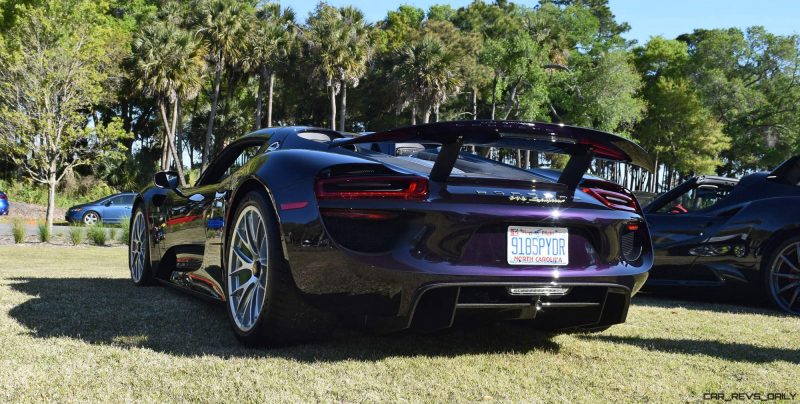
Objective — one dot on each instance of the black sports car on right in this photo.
(716, 231)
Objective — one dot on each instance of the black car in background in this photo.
(716, 231)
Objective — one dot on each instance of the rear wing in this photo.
(581, 144)
(788, 172)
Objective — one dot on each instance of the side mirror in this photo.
(108, 203)
(166, 179)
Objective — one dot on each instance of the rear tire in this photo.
(139, 250)
(782, 276)
(263, 304)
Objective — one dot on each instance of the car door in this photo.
(194, 218)
(681, 223)
(114, 210)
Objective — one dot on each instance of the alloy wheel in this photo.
(91, 218)
(784, 278)
(138, 243)
(247, 268)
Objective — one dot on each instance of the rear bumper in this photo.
(396, 297)
(585, 306)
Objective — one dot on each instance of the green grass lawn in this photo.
(73, 328)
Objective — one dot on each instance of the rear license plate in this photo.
(537, 245)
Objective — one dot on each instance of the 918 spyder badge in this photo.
(536, 199)
(537, 245)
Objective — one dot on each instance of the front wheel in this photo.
(91, 218)
(139, 251)
(263, 303)
(783, 276)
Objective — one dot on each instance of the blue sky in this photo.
(647, 18)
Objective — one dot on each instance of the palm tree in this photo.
(424, 77)
(223, 23)
(354, 66)
(169, 64)
(327, 39)
(269, 43)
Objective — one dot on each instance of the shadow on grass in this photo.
(730, 351)
(714, 301)
(115, 312)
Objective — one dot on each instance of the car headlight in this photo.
(76, 209)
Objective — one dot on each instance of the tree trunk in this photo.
(474, 103)
(164, 150)
(436, 113)
(172, 142)
(51, 200)
(170, 138)
(413, 113)
(270, 92)
(511, 96)
(494, 95)
(653, 177)
(259, 101)
(343, 105)
(426, 117)
(212, 115)
(333, 107)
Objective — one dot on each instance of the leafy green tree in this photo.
(354, 65)
(169, 66)
(424, 76)
(270, 43)
(339, 41)
(749, 82)
(54, 65)
(325, 36)
(678, 129)
(223, 24)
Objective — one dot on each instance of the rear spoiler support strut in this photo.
(578, 165)
(446, 160)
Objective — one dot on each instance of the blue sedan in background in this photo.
(111, 209)
(3, 204)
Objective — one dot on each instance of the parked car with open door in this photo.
(716, 231)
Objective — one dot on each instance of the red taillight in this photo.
(3, 196)
(358, 214)
(394, 187)
(613, 200)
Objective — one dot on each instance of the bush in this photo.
(97, 234)
(75, 234)
(18, 230)
(69, 194)
(44, 232)
(125, 232)
(112, 233)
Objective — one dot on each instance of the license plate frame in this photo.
(537, 246)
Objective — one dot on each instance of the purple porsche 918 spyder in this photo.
(293, 228)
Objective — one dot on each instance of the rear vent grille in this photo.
(631, 245)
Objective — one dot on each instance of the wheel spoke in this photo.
(245, 297)
(786, 276)
(243, 287)
(788, 287)
(241, 234)
(789, 263)
(794, 297)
